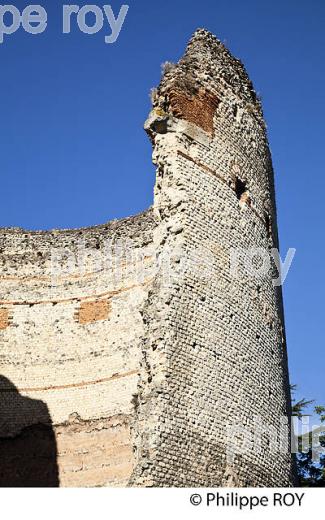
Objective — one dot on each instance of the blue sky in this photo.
(73, 151)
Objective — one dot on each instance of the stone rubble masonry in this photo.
(141, 377)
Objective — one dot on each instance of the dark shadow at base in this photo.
(28, 452)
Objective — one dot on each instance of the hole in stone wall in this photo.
(268, 224)
(242, 192)
(240, 188)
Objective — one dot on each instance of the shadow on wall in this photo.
(28, 453)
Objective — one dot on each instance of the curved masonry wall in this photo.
(137, 335)
(71, 329)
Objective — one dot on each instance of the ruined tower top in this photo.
(207, 63)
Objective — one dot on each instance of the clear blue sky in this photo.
(73, 152)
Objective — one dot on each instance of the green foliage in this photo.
(320, 411)
(310, 473)
(299, 406)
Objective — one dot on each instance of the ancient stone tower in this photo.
(126, 349)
